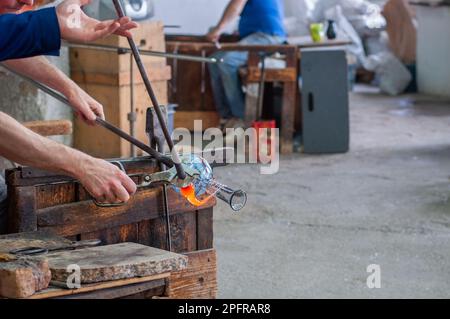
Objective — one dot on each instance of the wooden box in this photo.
(106, 77)
(42, 201)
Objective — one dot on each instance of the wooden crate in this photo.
(106, 77)
(42, 201)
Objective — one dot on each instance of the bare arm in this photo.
(101, 179)
(232, 11)
(39, 69)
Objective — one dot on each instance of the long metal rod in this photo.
(176, 160)
(120, 50)
(158, 156)
(132, 114)
(155, 141)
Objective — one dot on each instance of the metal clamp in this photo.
(171, 177)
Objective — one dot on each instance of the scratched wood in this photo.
(205, 229)
(106, 76)
(50, 128)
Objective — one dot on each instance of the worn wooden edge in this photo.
(53, 292)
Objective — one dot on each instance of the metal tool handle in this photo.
(176, 160)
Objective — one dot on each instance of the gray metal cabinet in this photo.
(325, 101)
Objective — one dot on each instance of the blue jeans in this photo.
(226, 84)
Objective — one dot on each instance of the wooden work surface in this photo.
(114, 262)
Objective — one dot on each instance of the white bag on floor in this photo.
(394, 77)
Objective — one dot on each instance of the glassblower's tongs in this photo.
(170, 176)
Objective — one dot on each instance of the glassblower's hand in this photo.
(76, 26)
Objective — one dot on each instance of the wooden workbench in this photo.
(43, 201)
(190, 86)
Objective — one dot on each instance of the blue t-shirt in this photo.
(29, 34)
(264, 16)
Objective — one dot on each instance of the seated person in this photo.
(261, 23)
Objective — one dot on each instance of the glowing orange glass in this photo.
(189, 193)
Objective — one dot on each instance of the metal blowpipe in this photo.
(121, 50)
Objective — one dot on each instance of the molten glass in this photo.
(206, 186)
(189, 193)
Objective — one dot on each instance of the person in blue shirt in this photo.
(39, 32)
(261, 23)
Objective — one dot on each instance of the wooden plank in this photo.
(31, 239)
(154, 293)
(22, 209)
(53, 292)
(184, 232)
(253, 74)
(84, 217)
(190, 87)
(106, 77)
(156, 72)
(22, 277)
(30, 176)
(205, 229)
(157, 234)
(120, 292)
(198, 280)
(114, 262)
(115, 235)
(55, 194)
(144, 234)
(149, 36)
(98, 141)
(50, 128)
(251, 103)
(288, 118)
(186, 119)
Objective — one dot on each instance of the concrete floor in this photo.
(311, 230)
